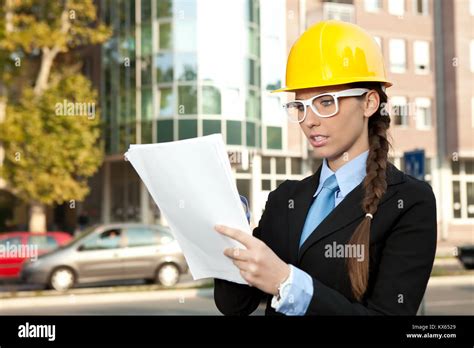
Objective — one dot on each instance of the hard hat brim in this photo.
(333, 83)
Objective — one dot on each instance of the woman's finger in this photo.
(237, 253)
(240, 236)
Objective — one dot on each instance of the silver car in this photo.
(110, 252)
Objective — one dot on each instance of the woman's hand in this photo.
(258, 264)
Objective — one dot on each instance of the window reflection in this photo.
(253, 105)
(185, 25)
(211, 100)
(185, 66)
(187, 100)
(166, 102)
(164, 67)
(164, 36)
(146, 39)
(234, 132)
(147, 104)
(163, 8)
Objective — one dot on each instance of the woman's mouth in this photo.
(318, 140)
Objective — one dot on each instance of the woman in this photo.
(358, 237)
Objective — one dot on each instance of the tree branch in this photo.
(49, 54)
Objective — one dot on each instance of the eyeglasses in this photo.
(324, 105)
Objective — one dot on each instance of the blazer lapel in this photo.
(345, 213)
(299, 202)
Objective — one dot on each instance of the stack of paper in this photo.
(191, 182)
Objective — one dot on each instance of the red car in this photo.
(16, 247)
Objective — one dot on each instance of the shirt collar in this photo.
(348, 176)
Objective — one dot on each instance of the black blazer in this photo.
(402, 248)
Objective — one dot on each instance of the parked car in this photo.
(466, 255)
(111, 252)
(17, 247)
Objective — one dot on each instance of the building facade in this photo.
(176, 69)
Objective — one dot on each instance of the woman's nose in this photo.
(311, 118)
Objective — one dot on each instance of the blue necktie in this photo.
(321, 207)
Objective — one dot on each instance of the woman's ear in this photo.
(371, 103)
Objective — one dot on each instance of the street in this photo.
(453, 295)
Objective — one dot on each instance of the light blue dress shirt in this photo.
(296, 300)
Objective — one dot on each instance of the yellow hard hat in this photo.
(334, 53)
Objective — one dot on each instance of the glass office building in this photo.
(177, 69)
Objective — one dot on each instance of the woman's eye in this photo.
(326, 102)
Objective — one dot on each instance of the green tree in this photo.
(50, 132)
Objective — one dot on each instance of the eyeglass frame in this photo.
(351, 92)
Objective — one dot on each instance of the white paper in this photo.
(191, 182)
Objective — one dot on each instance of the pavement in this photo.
(450, 295)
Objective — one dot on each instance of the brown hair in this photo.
(375, 185)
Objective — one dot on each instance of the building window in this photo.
(146, 39)
(164, 35)
(253, 105)
(185, 66)
(211, 127)
(399, 110)
(421, 56)
(470, 199)
(234, 132)
(456, 200)
(147, 104)
(423, 113)
(280, 165)
(211, 100)
(164, 8)
(187, 100)
(266, 165)
(373, 5)
(421, 7)
(253, 73)
(254, 42)
(396, 7)
(164, 130)
(274, 138)
(147, 132)
(184, 29)
(146, 67)
(266, 185)
(296, 166)
(397, 55)
(463, 188)
(251, 134)
(338, 11)
(187, 129)
(164, 67)
(166, 102)
(253, 11)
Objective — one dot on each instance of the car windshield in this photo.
(82, 234)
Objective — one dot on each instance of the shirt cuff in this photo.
(296, 299)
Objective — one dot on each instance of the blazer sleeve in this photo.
(241, 299)
(404, 269)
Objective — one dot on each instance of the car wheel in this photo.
(167, 275)
(62, 279)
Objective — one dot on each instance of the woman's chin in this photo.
(322, 152)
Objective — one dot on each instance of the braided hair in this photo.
(374, 185)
